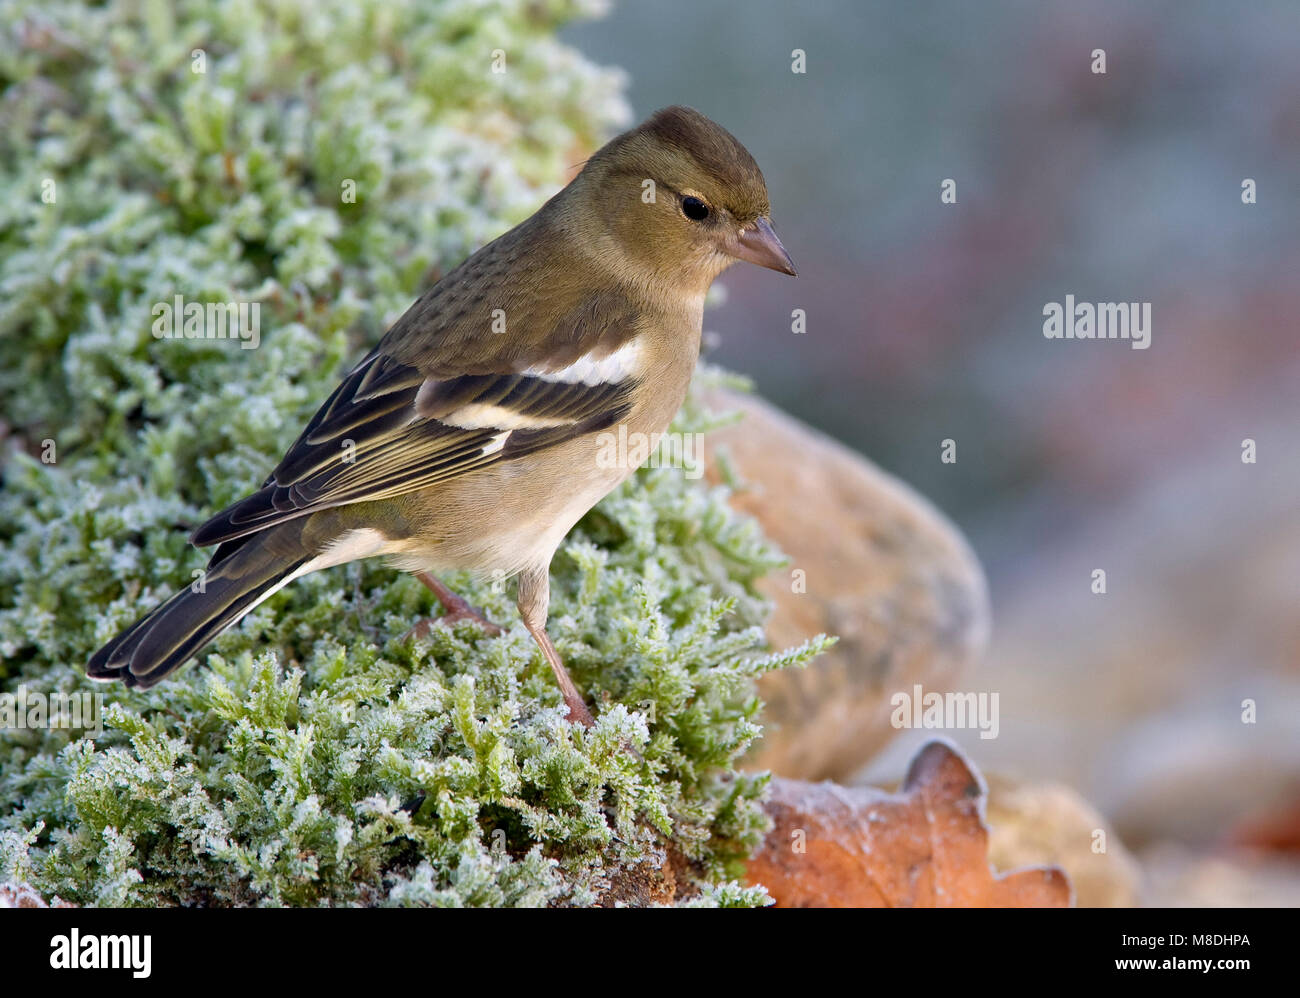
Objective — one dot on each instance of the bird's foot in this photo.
(456, 609)
(421, 628)
(578, 711)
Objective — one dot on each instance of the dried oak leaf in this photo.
(923, 847)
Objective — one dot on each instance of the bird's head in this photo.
(677, 199)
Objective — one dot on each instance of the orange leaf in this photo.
(924, 847)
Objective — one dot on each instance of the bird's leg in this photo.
(534, 601)
(455, 607)
(573, 699)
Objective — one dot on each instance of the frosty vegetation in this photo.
(318, 758)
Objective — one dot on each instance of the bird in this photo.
(468, 439)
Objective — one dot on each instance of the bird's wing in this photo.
(390, 428)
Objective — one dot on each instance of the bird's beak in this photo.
(759, 245)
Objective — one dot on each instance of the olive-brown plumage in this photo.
(468, 438)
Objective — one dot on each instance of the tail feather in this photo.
(171, 634)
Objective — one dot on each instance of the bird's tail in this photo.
(240, 575)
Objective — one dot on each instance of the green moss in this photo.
(319, 758)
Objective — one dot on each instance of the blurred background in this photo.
(924, 322)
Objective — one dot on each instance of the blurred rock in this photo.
(1195, 770)
(883, 570)
(1177, 877)
(1271, 829)
(1035, 824)
(1170, 701)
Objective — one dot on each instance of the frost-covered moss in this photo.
(319, 758)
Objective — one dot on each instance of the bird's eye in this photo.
(695, 209)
